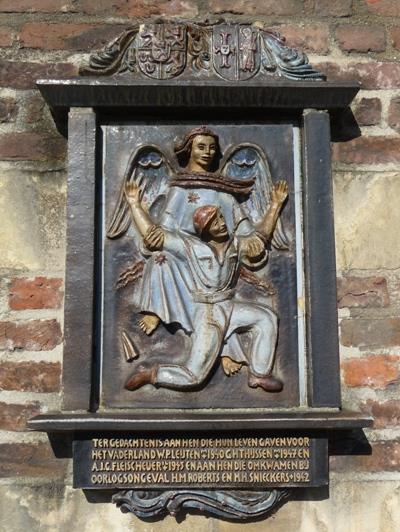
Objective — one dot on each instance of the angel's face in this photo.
(203, 151)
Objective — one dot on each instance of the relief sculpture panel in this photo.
(199, 250)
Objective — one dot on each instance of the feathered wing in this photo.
(151, 170)
(246, 161)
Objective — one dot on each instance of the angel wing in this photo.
(245, 161)
(151, 170)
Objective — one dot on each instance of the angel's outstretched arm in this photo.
(153, 236)
(278, 196)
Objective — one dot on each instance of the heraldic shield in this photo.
(236, 51)
(161, 51)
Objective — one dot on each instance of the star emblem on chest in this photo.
(160, 259)
(193, 197)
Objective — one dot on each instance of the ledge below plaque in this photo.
(320, 420)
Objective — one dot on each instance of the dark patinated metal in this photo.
(320, 265)
(234, 505)
(181, 421)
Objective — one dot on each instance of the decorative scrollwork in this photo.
(284, 60)
(234, 52)
(236, 505)
(117, 56)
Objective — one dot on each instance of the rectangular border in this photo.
(80, 261)
(320, 263)
(80, 374)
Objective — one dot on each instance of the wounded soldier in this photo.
(211, 262)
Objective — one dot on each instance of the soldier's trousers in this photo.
(214, 334)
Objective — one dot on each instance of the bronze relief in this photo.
(200, 225)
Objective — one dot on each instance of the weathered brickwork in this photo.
(348, 40)
(33, 335)
(395, 36)
(362, 292)
(31, 146)
(67, 36)
(361, 38)
(394, 113)
(368, 111)
(8, 110)
(30, 460)
(15, 417)
(41, 377)
(36, 293)
(375, 371)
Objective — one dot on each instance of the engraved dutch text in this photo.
(145, 462)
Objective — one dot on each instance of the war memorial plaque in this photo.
(201, 364)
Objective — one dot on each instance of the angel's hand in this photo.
(279, 192)
(132, 192)
(254, 247)
(154, 239)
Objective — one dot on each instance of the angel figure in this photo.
(211, 259)
(238, 183)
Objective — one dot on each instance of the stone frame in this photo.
(87, 113)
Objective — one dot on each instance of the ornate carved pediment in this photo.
(234, 52)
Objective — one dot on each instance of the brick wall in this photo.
(347, 39)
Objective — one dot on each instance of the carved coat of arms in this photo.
(161, 50)
(236, 51)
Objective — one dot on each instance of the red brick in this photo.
(34, 109)
(368, 111)
(368, 150)
(67, 36)
(394, 113)
(384, 414)
(395, 35)
(385, 457)
(329, 8)
(313, 38)
(362, 292)
(374, 371)
(31, 146)
(23, 76)
(255, 7)
(368, 332)
(361, 38)
(8, 110)
(33, 335)
(42, 377)
(376, 75)
(387, 8)
(30, 460)
(15, 417)
(36, 6)
(37, 293)
(138, 8)
(6, 36)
